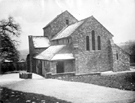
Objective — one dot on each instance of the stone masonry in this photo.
(109, 57)
(92, 60)
(58, 24)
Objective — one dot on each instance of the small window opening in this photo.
(117, 56)
(67, 22)
(87, 43)
(99, 42)
(93, 40)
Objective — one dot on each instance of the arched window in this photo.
(93, 40)
(99, 42)
(87, 43)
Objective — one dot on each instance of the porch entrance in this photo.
(60, 67)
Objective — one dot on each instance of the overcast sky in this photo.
(118, 16)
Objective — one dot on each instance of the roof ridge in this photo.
(102, 25)
(86, 18)
(58, 16)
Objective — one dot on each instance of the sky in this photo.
(118, 16)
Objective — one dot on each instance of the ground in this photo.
(58, 91)
(13, 96)
(124, 80)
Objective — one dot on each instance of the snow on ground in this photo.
(70, 91)
(119, 72)
(14, 77)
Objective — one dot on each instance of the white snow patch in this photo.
(70, 91)
(14, 77)
(40, 42)
(119, 72)
(63, 56)
(73, 91)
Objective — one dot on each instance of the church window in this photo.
(117, 56)
(93, 40)
(99, 42)
(87, 43)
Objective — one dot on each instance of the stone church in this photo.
(72, 46)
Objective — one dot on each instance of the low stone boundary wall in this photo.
(73, 76)
(25, 75)
(119, 80)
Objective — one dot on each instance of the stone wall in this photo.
(58, 24)
(92, 60)
(71, 76)
(63, 41)
(68, 66)
(121, 60)
(33, 52)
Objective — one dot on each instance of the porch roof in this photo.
(63, 57)
(56, 52)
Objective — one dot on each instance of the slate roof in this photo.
(67, 31)
(40, 42)
(56, 52)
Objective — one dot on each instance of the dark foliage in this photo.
(12, 96)
(9, 29)
(130, 48)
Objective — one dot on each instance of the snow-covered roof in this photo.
(56, 52)
(40, 42)
(75, 92)
(63, 56)
(49, 52)
(67, 31)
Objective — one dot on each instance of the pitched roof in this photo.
(113, 45)
(67, 31)
(49, 52)
(40, 42)
(56, 52)
(63, 13)
(92, 17)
